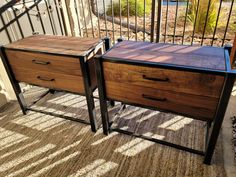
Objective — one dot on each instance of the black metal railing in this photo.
(200, 22)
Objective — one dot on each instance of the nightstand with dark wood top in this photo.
(192, 81)
(55, 62)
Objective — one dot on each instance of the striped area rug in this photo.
(40, 145)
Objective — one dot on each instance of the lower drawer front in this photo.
(199, 107)
(50, 80)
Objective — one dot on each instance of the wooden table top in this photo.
(190, 56)
(65, 45)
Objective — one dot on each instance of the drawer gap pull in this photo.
(41, 62)
(45, 79)
(153, 98)
(156, 79)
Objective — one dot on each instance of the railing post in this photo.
(153, 19)
(159, 17)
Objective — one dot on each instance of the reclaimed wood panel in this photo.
(193, 105)
(188, 56)
(57, 63)
(178, 81)
(61, 81)
(57, 44)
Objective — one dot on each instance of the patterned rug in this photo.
(40, 145)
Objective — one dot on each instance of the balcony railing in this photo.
(200, 22)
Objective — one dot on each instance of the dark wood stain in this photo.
(56, 58)
(60, 81)
(192, 105)
(56, 44)
(193, 56)
(178, 81)
(58, 64)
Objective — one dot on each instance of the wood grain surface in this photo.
(178, 81)
(32, 60)
(59, 81)
(190, 56)
(196, 106)
(54, 57)
(57, 44)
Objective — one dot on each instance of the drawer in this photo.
(44, 62)
(50, 80)
(200, 107)
(164, 79)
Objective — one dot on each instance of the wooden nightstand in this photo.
(55, 62)
(186, 80)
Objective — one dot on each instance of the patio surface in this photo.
(42, 145)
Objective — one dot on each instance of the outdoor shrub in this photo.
(124, 8)
(202, 12)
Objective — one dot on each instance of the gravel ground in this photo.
(169, 28)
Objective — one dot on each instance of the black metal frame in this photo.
(87, 86)
(213, 128)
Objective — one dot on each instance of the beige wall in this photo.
(6, 90)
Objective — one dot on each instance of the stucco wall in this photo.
(6, 90)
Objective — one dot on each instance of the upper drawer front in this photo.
(200, 107)
(50, 80)
(44, 62)
(164, 79)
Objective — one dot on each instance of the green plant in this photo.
(200, 19)
(133, 8)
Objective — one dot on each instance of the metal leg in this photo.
(208, 127)
(52, 91)
(107, 43)
(112, 103)
(14, 83)
(101, 91)
(225, 95)
(21, 101)
(107, 47)
(120, 39)
(88, 93)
